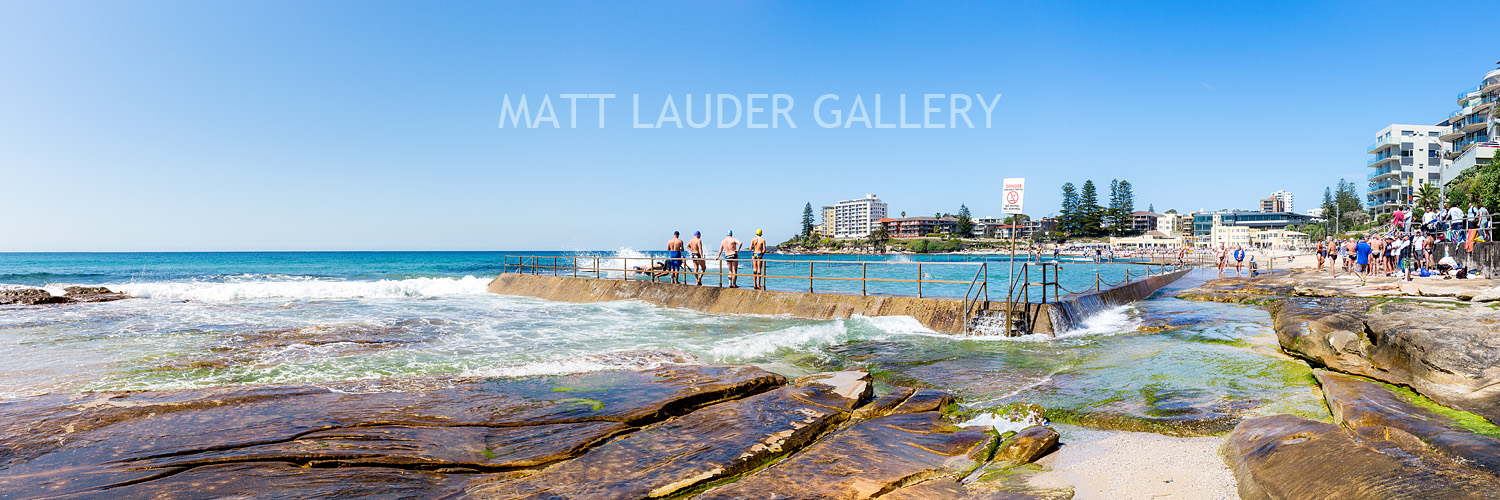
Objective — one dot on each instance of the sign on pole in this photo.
(1013, 194)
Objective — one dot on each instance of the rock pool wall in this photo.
(943, 315)
(1071, 311)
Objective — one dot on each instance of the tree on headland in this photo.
(1480, 184)
(903, 214)
(1151, 207)
(1171, 211)
(807, 221)
(878, 237)
(1121, 205)
(1067, 218)
(965, 225)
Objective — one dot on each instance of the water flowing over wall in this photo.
(1072, 311)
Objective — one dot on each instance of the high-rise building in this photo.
(826, 228)
(1286, 200)
(1471, 131)
(1406, 157)
(856, 218)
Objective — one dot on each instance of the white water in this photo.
(303, 289)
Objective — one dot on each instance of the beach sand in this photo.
(1114, 464)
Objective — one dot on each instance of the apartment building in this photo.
(1472, 131)
(825, 229)
(1405, 158)
(857, 218)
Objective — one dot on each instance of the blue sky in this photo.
(267, 125)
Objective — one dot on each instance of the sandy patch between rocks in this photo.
(1116, 464)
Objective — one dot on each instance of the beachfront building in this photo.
(1474, 129)
(857, 218)
(917, 227)
(1144, 221)
(1172, 224)
(1405, 158)
(1044, 225)
(1150, 239)
(1209, 227)
(1278, 238)
(826, 228)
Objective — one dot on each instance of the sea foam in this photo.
(306, 289)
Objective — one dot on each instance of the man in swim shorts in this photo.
(674, 257)
(729, 252)
(695, 249)
(1239, 259)
(758, 260)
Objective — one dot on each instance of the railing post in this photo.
(809, 277)
(864, 274)
(721, 271)
(625, 265)
(919, 280)
(1096, 282)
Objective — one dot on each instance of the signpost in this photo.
(1012, 194)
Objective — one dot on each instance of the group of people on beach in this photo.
(1399, 250)
(692, 252)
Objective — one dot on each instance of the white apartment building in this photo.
(856, 218)
(1406, 157)
(1471, 131)
(1286, 200)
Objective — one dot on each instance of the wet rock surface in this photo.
(1288, 457)
(1028, 445)
(868, 459)
(71, 294)
(686, 431)
(1369, 408)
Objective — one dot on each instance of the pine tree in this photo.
(1112, 215)
(1151, 207)
(807, 221)
(1127, 203)
(1067, 219)
(1091, 214)
(965, 224)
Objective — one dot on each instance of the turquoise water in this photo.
(239, 318)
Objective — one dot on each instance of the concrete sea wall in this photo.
(1072, 310)
(943, 315)
(1485, 258)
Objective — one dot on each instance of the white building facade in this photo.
(1471, 132)
(1286, 200)
(1405, 158)
(856, 218)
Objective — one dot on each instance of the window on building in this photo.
(1405, 133)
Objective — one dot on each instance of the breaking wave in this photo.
(306, 289)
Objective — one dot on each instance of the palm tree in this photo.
(1428, 197)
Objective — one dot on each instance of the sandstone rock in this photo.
(720, 441)
(943, 488)
(1028, 445)
(1447, 355)
(1490, 295)
(1363, 405)
(853, 384)
(867, 459)
(883, 406)
(1292, 458)
(122, 444)
(924, 400)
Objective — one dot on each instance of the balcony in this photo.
(1382, 157)
(1381, 172)
(1465, 94)
(1382, 144)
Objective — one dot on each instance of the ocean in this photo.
(213, 319)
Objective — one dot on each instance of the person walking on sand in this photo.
(729, 252)
(695, 250)
(758, 260)
(1222, 254)
(674, 257)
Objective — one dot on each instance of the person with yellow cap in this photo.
(758, 260)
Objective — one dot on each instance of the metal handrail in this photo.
(982, 279)
(536, 267)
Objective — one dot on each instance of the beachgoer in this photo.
(1456, 223)
(729, 252)
(1485, 223)
(674, 256)
(1321, 253)
(1377, 248)
(758, 260)
(1239, 259)
(695, 250)
(1362, 260)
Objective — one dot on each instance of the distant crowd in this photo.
(729, 254)
(1404, 248)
